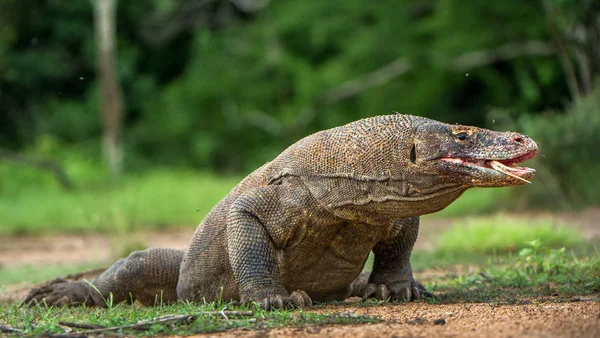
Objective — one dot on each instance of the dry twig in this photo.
(146, 324)
(9, 329)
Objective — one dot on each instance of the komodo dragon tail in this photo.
(149, 276)
(19, 293)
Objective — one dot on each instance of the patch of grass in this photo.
(481, 240)
(154, 200)
(537, 271)
(40, 320)
(125, 245)
(36, 274)
(486, 240)
(424, 260)
(500, 235)
(478, 201)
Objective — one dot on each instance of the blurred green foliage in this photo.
(31, 203)
(217, 87)
(223, 90)
(570, 153)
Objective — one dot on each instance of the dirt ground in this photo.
(579, 317)
(573, 319)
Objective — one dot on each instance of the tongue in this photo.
(507, 170)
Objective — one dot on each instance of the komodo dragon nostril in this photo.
(518, 138)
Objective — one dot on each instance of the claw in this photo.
(406, 291)
(416, 293)
(382, 292)
(266, 304)
(369, 291)
(300, 299)
(62, 301)
(307, 300)
(407, 294)
(296, 300)
(32, 298)
(277, 302)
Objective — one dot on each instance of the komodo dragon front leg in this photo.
(259, 223)
(149, 276)
(392, 276)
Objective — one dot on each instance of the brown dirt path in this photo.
(573, 319)
(80, 249)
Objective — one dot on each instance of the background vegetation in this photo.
(212, 89)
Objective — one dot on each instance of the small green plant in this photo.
(540, 259)
(537, 271)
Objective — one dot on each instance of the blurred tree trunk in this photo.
(575, 30)
(111, 96)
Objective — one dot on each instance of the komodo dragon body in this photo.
(299, 229)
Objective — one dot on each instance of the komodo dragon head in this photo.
(484, 158)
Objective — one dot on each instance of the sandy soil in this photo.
(579, 317)
(573, 319)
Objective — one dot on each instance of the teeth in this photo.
(505, 170)
(455, 160)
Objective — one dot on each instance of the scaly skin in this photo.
(299, 229)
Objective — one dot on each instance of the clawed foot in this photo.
(396, 291)
(59, 292)
(297, 299)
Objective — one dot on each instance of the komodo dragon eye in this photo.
(462, 136)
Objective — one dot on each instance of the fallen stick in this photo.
(144, 325)
(81, 325)
(9, 329)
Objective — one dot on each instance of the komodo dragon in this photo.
(299, 229)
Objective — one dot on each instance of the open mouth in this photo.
(506, 166)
